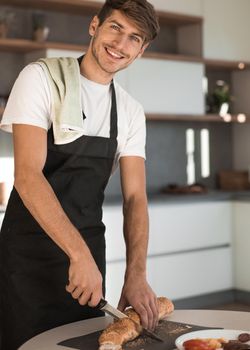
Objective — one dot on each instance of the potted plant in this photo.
(6, 18)
(219, 100)
(40, 30)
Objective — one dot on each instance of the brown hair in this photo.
(141, 12)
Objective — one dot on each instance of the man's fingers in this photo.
(84, 298)
(141, 310)
(150, 317)
(154, 307)
(95, 298)
(77, 292)
(70, 287)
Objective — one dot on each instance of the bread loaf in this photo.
(123, 330)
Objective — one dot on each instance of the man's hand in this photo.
(137, 293)
(85, 281)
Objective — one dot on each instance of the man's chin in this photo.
(113, 70)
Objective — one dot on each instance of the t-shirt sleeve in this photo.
(29, 101)
(136, 139)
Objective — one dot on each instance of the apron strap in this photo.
(113, 112)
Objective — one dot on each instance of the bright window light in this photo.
(190, 148)
(205, 153)
(7, 173)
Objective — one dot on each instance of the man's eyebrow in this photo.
(122, 27)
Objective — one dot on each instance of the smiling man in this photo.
(72, 126)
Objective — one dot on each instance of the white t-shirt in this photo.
(31, 99)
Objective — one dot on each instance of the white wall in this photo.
(226, 29)
(190, 7)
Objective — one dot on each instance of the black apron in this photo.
(33, 269)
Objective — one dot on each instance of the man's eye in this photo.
(115, 27)
(135, 38)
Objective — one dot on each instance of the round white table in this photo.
(208, 318)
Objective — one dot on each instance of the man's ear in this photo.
(142, 50)
(93, 25)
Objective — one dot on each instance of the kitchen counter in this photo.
(208, 318)
(210, 196)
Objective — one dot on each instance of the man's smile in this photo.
(114, 54)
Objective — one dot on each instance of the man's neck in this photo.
(90, 69)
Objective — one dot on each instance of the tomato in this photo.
(196, 344)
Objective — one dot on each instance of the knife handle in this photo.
(101, 304)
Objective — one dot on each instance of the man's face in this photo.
(116, 43)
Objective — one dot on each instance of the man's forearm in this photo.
(41, 201)
(136, 234)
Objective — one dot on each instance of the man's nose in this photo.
(121, 41)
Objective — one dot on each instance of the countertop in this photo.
(210, 196)
(208, 318)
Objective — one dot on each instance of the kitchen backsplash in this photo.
(166, 154)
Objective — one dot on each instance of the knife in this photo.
(105, 306)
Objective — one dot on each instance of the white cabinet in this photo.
(226, 29)
(190, 7)
(186, 226)
(189, 248)
(167, 86)
(190, 274)
(241, 244)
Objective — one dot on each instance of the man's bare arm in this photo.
(30, 150)
(136, 291)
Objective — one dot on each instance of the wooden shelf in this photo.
(24, 46)
(226, 65)
(172, 57)
(79, 7)
(194, 118)
(83, 7)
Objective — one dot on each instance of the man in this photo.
(52, 245)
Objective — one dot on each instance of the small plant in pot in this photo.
(220, 98)
(6, 18)
(40, 30)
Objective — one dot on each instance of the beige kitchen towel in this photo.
(64, 79)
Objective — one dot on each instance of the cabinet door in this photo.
(226, 29)
(190, 274)
(190, 7)
(167, 86)
(179, 276)
(241, 244)
(188, 226)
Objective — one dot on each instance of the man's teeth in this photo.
(114, 54)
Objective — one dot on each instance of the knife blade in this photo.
(117, 314)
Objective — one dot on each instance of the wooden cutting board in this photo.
(167, 330)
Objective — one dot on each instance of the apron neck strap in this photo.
(113, 112)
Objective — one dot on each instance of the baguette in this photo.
(123, 330)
